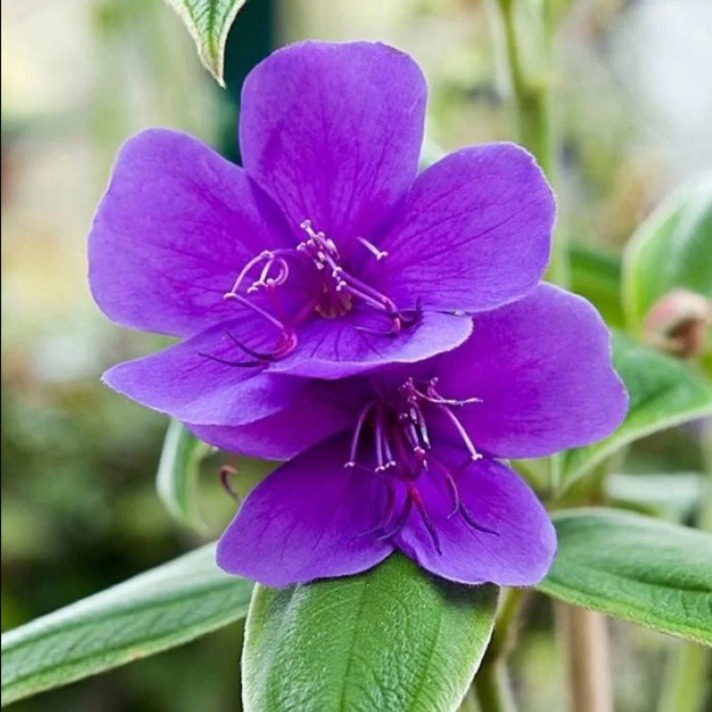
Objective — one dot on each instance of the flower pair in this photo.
(385, 330)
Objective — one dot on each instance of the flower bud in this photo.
(678, 323)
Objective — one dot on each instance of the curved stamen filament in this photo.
(427, 521)
(400, 522)
(450, 483)
(381, 300)
(257, 309)
(356, 437)
(378, 254)
(266, 280)
(434, 397)
(461, 430)
(266, 255)
(388, 512)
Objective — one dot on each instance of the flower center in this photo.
(402, 451)
(332, 290)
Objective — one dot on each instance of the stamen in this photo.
(288, 340)
(396, 326)
(243, 273)
(400, 523)
(434, 397)
(378, 254)
(258, 310)
(355, 438)
(381, 299)
(470, 520)
(344, 286)
(390, 460)
(380, 460)
(226, 472)
(461, 430)
(429, 526)
(422, 426)
(390, 505)
(228, 362)
(451, 485)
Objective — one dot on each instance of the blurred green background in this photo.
(79, 510)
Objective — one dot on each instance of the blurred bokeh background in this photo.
(79, 509)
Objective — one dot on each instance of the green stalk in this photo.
(530, 98)
(491, 684)
(687, 678)
(492, 688)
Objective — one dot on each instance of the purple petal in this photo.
(175, 227)
(333, 132)
(334, 348)
(516, 551)
(474, 232)
(542, 368)
(185, 382)
(305, 521)
(314, 416)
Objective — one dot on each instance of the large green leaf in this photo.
(160, 609)
(653, 573)
(663, 393)
(209, 22)
(675, 496)
(178, 471)
(393, 638)
(672, 249)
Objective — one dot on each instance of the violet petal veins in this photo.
(418, 466)
(326, 255)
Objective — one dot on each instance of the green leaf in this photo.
(671, 249)
(597, 276)
(675, 496)
(209, 22)
(663, 392)
(649, 572)
(393, 638)
(177, 476)
(157, 610)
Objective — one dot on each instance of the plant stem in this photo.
(506, 628)
(686, 683)
(492, 681)
(585, 638)
(532, 115)
(493, 689)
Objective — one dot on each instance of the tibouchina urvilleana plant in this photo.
(326, 256)
(383, 334)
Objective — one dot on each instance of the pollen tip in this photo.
(349, 464)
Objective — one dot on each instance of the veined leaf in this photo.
(672, 249)
(393, 638)
(178, 471)
(209, 22)
(157, 610)
(663, 392)
(652, 573)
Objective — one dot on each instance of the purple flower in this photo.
(417, 464)
(326, 255)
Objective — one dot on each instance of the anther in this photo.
(378, 254)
